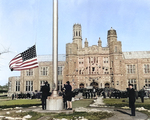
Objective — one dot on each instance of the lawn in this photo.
(119, 103)
(50, 116)
(33, 102)
(82, 103)
(125, 102)
(19, 103)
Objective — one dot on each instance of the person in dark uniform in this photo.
(64, 98)
(68, 91)
(45, 92)
(131, 94)
(142, 94)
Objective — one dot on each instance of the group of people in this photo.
(67, 96)
(66, 93)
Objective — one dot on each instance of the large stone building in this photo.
(104, 66)
(86, 66)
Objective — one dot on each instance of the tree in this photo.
(4, 51)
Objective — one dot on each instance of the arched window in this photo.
(94, 84)
(115, 48)
(81, 85)
(76, 33)
(107, 85)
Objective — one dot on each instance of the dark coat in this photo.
(45, 91)
(68, 92)
(132, 96)
(142, 93)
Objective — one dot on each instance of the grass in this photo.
(89, 116)
(50, 116)
(34, 115)
(19, 103)
(82, 103)
(34, 102)
(74, 116)
(119, 103)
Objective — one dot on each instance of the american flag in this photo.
(25, 60)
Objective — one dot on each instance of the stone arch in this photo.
(107, 85)
(76, 33)
(81, 85)
(94, 84)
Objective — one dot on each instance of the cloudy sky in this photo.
(26, 22)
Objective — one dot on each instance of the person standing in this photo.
(45, 92)
(142, 94)
(131, 94)
(68, 91)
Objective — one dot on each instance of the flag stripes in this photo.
(25, 60)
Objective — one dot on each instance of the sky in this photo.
(24, 23)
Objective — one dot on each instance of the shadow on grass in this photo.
(123, 112)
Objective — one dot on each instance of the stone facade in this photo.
(88, 66)
(104, 66)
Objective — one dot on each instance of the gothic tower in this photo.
(77, 35)
(86, 43)
(115, 51)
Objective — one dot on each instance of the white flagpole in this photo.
(55, 46)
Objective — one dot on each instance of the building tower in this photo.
(86, 43)
(115, 51)
(77, 35)
(99, 42)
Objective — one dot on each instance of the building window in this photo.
(59, 70)
(131, 69)
(147, 82)
(93, 69)
(106, 72)
(79, 33)
(80, 72)
(42, 83)
(29, 85)
(17, 85)
(44, 71)
(59, 85)
(9, 85)
(132, 81)
(105, 59)
(76, 33)
(117, 82)
(29, 72)
(146, 68)
(115, 49)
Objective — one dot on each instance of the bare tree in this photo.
(4, 51)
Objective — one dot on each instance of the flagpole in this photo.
(55, 102)
(55, 46)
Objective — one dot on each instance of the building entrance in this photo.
(81, 85)
(107, 85)
(94, 84)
